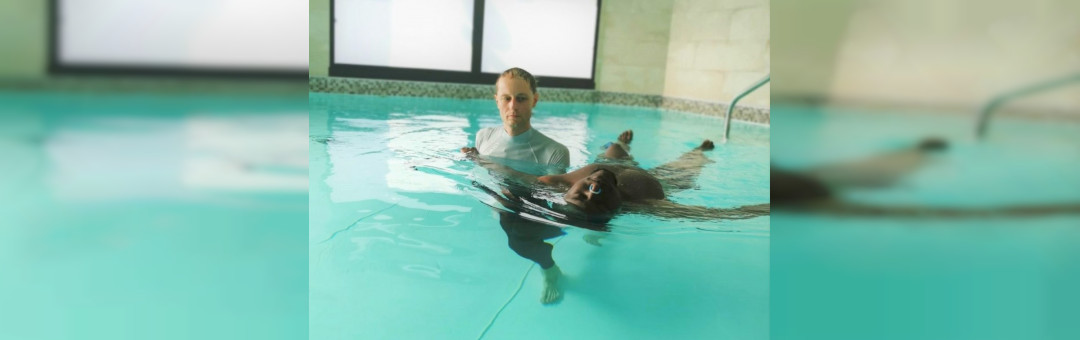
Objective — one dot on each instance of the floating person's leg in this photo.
(681, 173)
(881, 170)
(621, 148)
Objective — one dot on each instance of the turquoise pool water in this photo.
(152, 216)
(397, 253)
(837, 277)
(1021, 161)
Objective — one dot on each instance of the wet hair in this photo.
(599, 218)
(579, 214)
(520, 73)
(604, 209)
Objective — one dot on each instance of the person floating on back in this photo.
(599, 191)
(594, 194)
(819, 190)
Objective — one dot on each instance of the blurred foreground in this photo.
(153, 216)
(856, 80)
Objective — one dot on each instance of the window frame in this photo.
(474, 76)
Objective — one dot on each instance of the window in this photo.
(435, 35)
(180, 37)
(556, 38)
(465, 41)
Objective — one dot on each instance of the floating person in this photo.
(818, 190)
(881, 170)
(790, 187)
(599, 191)
(594, 194)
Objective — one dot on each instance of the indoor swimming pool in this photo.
(402, 246)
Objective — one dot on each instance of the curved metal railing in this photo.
(731, 107)
(1001, 99)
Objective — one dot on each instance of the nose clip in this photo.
(596, 191)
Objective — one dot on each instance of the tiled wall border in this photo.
(1025, 112)
(759, 115)
(100, 84)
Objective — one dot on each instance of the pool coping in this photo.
(380, 87)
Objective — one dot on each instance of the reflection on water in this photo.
(422, 140)
(131, 157)
(251, 152)
(120, 150)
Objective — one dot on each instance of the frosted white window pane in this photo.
(232, 34)
(426, 34)
(547, 38)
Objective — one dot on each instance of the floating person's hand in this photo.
(470, 152)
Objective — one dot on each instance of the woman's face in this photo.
(597, 193)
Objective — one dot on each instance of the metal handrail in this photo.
(984, 113)
(731, 107)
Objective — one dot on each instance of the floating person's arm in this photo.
(880, 170)
(569, 178)
(617, 150)
(669, 209)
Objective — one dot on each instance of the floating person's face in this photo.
(596, 195)
(515, 101)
